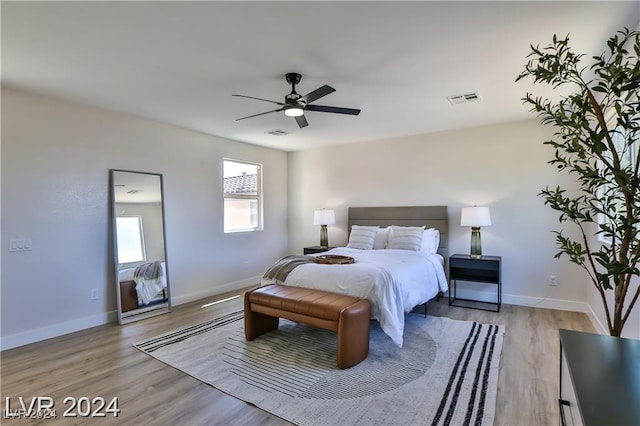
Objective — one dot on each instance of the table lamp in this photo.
(323, 218)
(475, 217)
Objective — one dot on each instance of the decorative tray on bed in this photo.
(333, 259)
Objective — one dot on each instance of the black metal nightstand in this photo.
(484, 269)
(316, 249)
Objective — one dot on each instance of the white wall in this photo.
(596, 307)
(501, 166)
(55, 162)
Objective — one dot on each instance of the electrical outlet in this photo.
(94, 294)
(553, 280)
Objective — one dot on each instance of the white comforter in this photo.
(150, 289)
(394, 281)
(147, 290)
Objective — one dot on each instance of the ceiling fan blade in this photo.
(302, 121)
(262, 113)
(259, 99)
(318, 93)
(337, 110)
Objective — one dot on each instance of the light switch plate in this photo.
(20, 244)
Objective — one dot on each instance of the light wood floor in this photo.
(102, 362)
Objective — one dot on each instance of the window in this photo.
(608, 195)
(130, 239)
(242, 196)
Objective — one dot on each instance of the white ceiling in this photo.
(180, 62)
(136, 187)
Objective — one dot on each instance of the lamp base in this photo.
(476, 246)
(324, 236)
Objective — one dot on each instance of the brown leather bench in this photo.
(348, 316)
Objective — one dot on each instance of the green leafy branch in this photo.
(596, 139)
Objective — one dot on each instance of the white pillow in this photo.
(405, 237)
(430, 241)
(362, 237)
(381, 238)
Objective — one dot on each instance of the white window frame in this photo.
(258, 197)
(140, 236)
(612, 121)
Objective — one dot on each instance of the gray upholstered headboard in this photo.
(429, 216)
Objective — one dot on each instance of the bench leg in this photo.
(256, 323)
(353, 334)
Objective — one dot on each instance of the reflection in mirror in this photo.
(140, 254)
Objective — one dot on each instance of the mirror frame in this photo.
(125, 318)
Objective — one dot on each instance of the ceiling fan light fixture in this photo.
(295, 105)
(293, 112)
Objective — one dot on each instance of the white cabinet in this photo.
(599, 380)
(569, 410)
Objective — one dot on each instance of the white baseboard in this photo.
(235, 285)
(537, 302)
(540, 302)
(597, 324)
(55, 330)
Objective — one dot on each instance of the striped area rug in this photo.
(445, 374)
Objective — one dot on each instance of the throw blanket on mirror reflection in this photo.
(148, 271)
(149, 281)
(277, 273)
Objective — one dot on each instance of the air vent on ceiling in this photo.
(277, 132)
(464, 98)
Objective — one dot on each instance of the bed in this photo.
(138, 292)
(394, 280)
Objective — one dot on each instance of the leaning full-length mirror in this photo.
(142, 282)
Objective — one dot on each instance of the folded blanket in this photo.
(148, 271)
(149, 281)
(279, 271)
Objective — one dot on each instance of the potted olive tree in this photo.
(597, 141)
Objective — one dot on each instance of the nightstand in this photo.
(484, 269)
(316, 249)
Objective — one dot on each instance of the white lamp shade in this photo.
(475, 216)
(324, 217)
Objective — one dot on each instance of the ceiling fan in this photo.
(295, 105)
